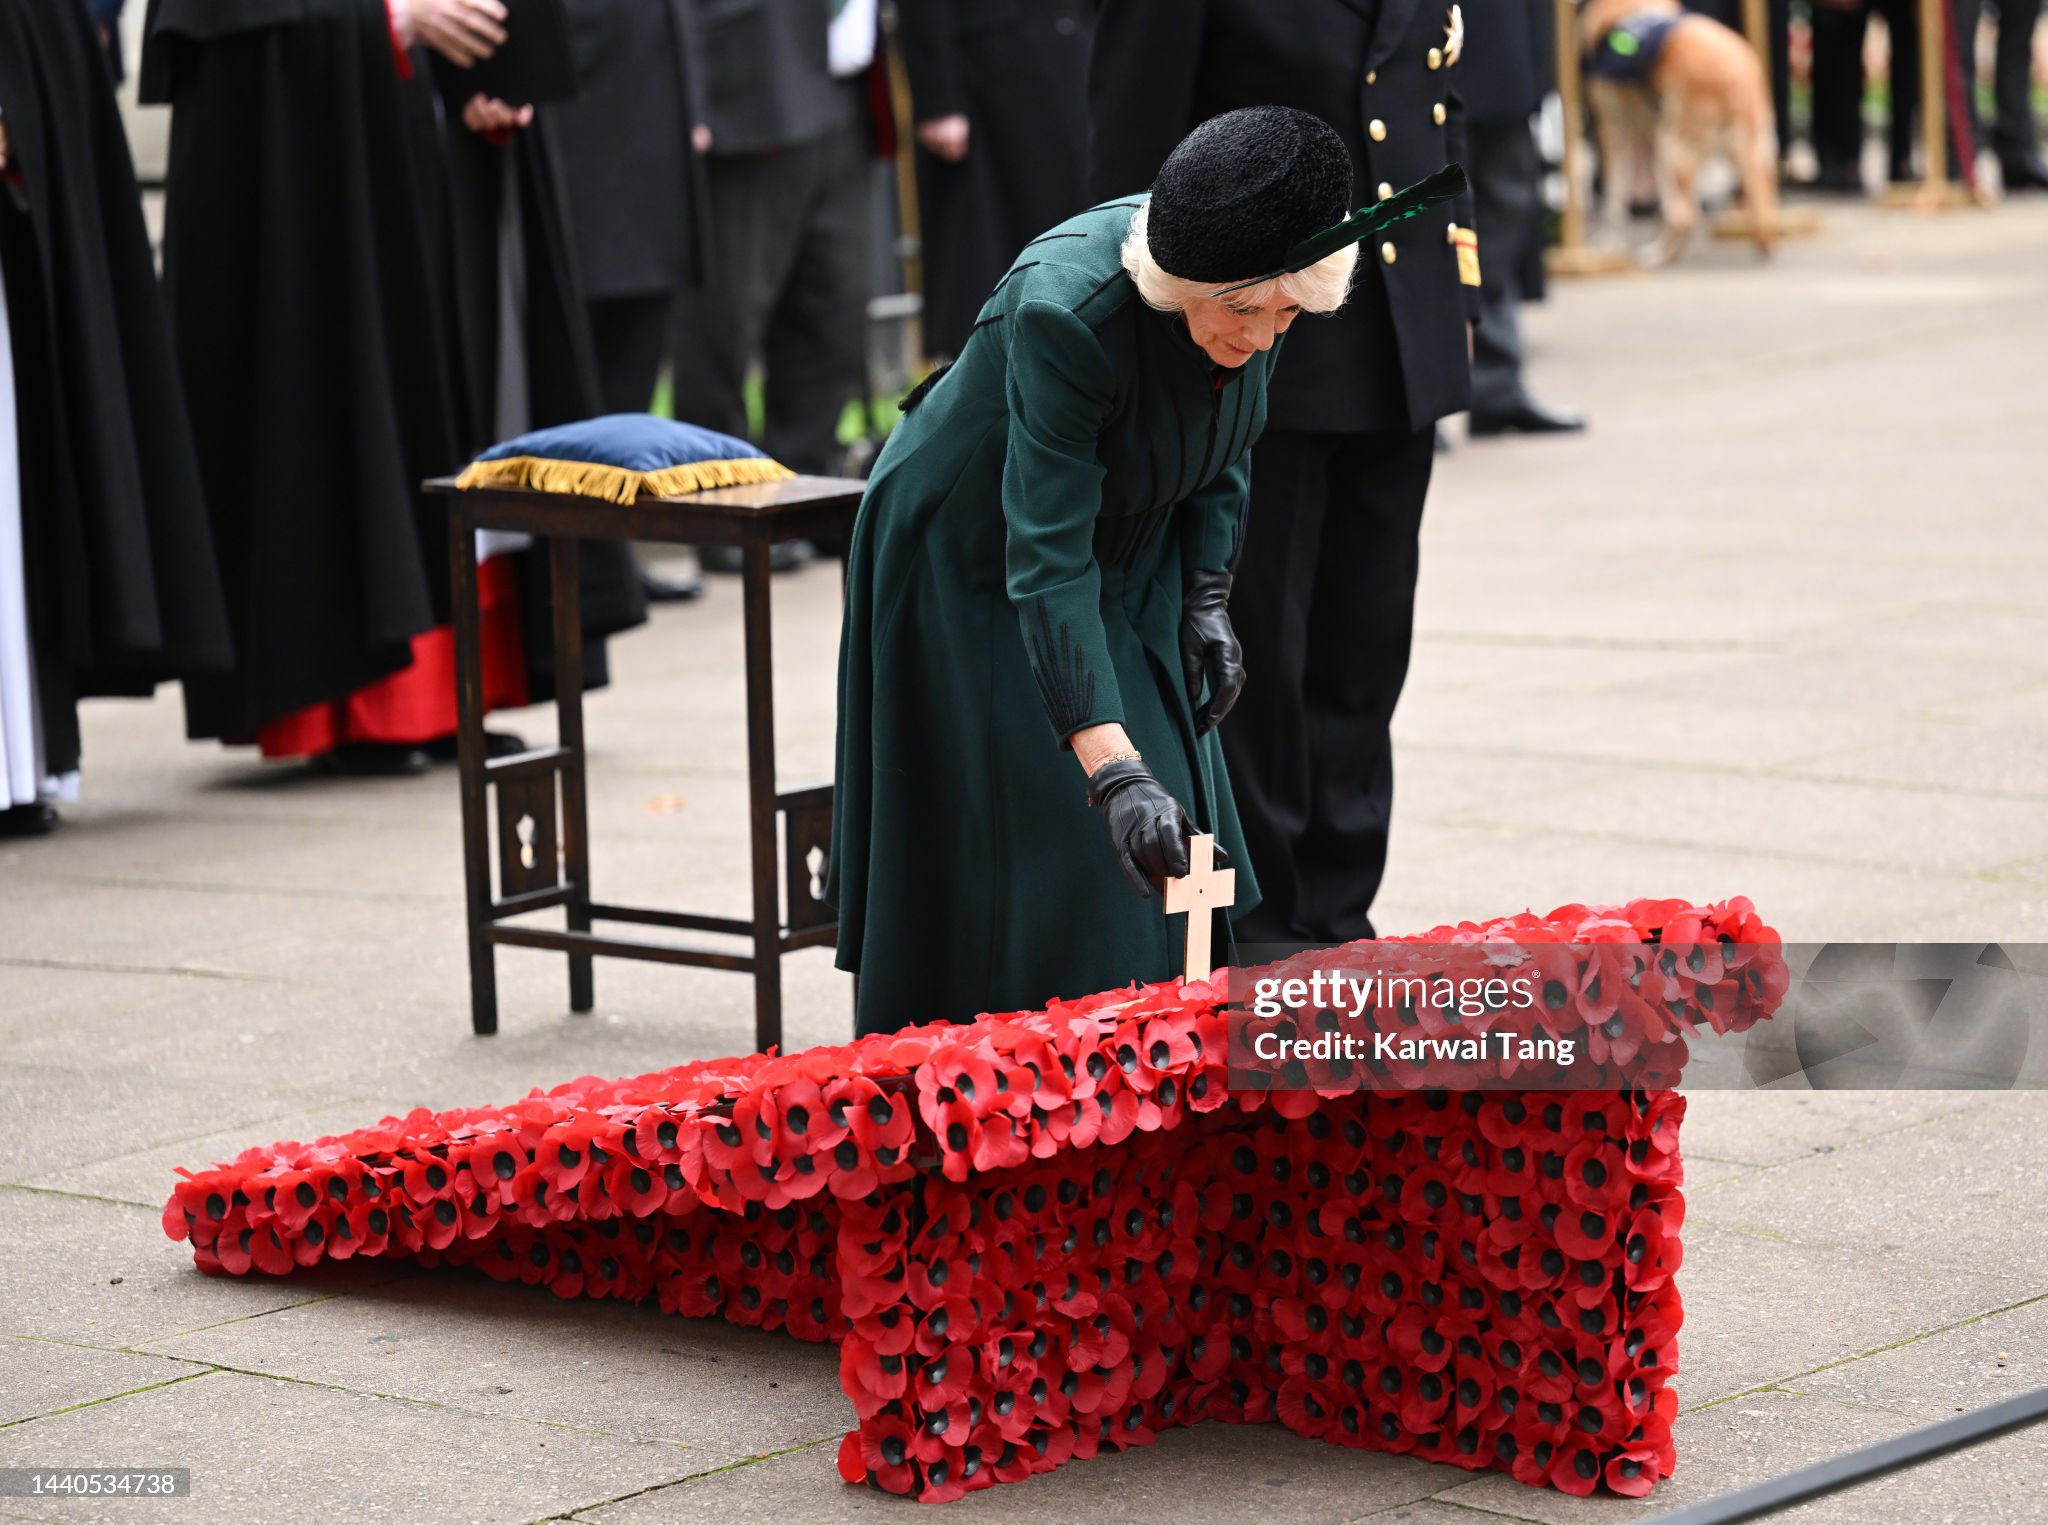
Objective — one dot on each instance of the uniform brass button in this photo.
(1376, 130)
(1387, 253)
(1372, 76)
(1436, 58)
(1437, 113)
(1386, 189)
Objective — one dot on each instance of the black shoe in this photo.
(670, 590)
(373, 759)
(445, 749)
(1845, 179)
(2026, 173)
(1525, 416)
(786, 557)
(37, 820)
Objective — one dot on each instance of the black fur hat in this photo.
(1243, 189)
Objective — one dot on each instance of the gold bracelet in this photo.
(1119, 757)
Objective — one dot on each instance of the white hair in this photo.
(1322, 287)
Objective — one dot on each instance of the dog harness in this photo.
(1628, 54)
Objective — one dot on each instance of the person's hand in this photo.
(700, 137)
(465, 32)
(945, 136)
(487, 114)
(1209, 648)
(1148, 830)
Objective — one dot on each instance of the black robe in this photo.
(1020, 77)
(122, 585)
(330, 249)
(546, 372)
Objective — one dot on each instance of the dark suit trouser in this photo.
(2016, 134)
(1324, 602)
(1903, 16)
(630, 334)
(788, 282)
(1838, 87)
(1506, 172)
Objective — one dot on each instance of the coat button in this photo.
(1376, 130)
(1372, 76)
(1451, 234)
(1436, 113)
(1386, 189)
(1387, 253)
(1436, 58)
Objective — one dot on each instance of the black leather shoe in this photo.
(37, 820)
(1526, 416)
(2029, 173)
(670, 590)
(1844, 179)
(374, 759)
(447, 749)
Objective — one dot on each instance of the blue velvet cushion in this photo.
(619, 456)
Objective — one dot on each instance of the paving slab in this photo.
(1762, 1309)
(43, 1376)
(102, 1273)
(523, 1353)
(1212, 1471)
(1962, 1193)
(261, 1449)
(1981, 1362)
(53, 1117)
(1766, 1434)
(146, 1176)
(1776, 1127)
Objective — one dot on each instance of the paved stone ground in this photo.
(1775, 627)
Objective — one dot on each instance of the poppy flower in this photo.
(885, 1441)
(1576, 1468)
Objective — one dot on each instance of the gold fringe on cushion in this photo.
(618, 484)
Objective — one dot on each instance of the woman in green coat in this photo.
(1036, 644)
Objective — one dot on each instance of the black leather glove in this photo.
(1148, 830)
(1209, 649)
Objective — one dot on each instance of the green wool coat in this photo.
(1015, 576)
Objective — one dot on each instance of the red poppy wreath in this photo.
(1044, 1234)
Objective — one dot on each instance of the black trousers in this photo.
(2016, 134)
(1506, 171)
(788, 285)
(630, 334)
(1324, 602)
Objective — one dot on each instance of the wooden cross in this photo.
(1198, 896)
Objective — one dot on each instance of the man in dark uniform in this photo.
(632, 145)
(1502, 79)
(1324, 597)
(790, 145)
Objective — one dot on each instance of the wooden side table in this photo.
(543, 852)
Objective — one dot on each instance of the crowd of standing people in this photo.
(372, 270)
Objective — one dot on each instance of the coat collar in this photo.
(1390, 26)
